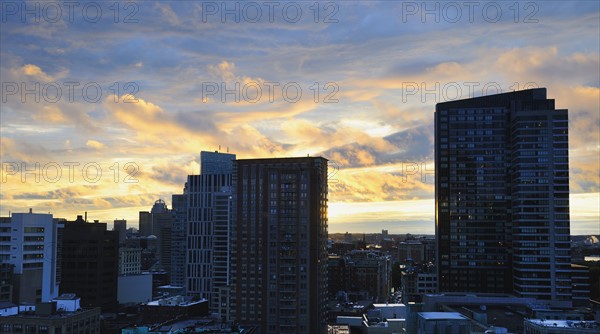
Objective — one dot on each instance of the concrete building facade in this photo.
(31, 243)
(279, 255)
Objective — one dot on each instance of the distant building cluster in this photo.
(245, 247)
(360, 275)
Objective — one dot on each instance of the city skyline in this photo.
(378, 69)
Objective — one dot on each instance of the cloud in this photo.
(374, 132)
(94, 144)
(404, 182)
(35, 72)
(22, 151)
(168, 14)
(224, 70)
(151, 124)
(61, 193)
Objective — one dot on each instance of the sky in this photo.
(107, 105)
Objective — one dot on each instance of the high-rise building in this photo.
(120, 226)
(157, 225)
(145, 223)
(580, 282)
(208, 225)
(162, 226)
(6, 281)
(90, 263)
(178, 239)
(279, 244)
(502, 196)
(31, 243)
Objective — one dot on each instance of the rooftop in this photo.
(565, 323)
(175, 301)
(388, 305)
(4, 305)
(356, 307)
(442, 316)
(58, 315)
(67, 296)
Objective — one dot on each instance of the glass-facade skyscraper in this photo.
(502, 196)
(208, 225)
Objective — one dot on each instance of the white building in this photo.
(68, 302)
(29, 242)
(390, 311)
(8, 309)
(208, 228)
(130, 261)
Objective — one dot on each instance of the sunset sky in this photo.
(138, 87)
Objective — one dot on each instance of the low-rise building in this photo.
(443, 322)
(134, 289)
(62, 315)
(540, 326)
(338, 329)
(130, 260)
(171, 308)
(418, 280)
(7, 309)
(388, 311)
(360, 273)
(412, 250)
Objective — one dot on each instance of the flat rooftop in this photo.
(167, 302)
(32, 315)
(566, 323)
(6, 305)
(67, 296)
(358, 306)
(442, 316)
(388, 305)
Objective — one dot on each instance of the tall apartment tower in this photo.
(145, 223)
(31, 243)
(279, 239)
(208, 243)
(502, 196)
(90, 264)
(178, 239)
(120, 226)
(162, 225)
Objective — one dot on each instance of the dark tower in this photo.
(279, 257)
(502, 196)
